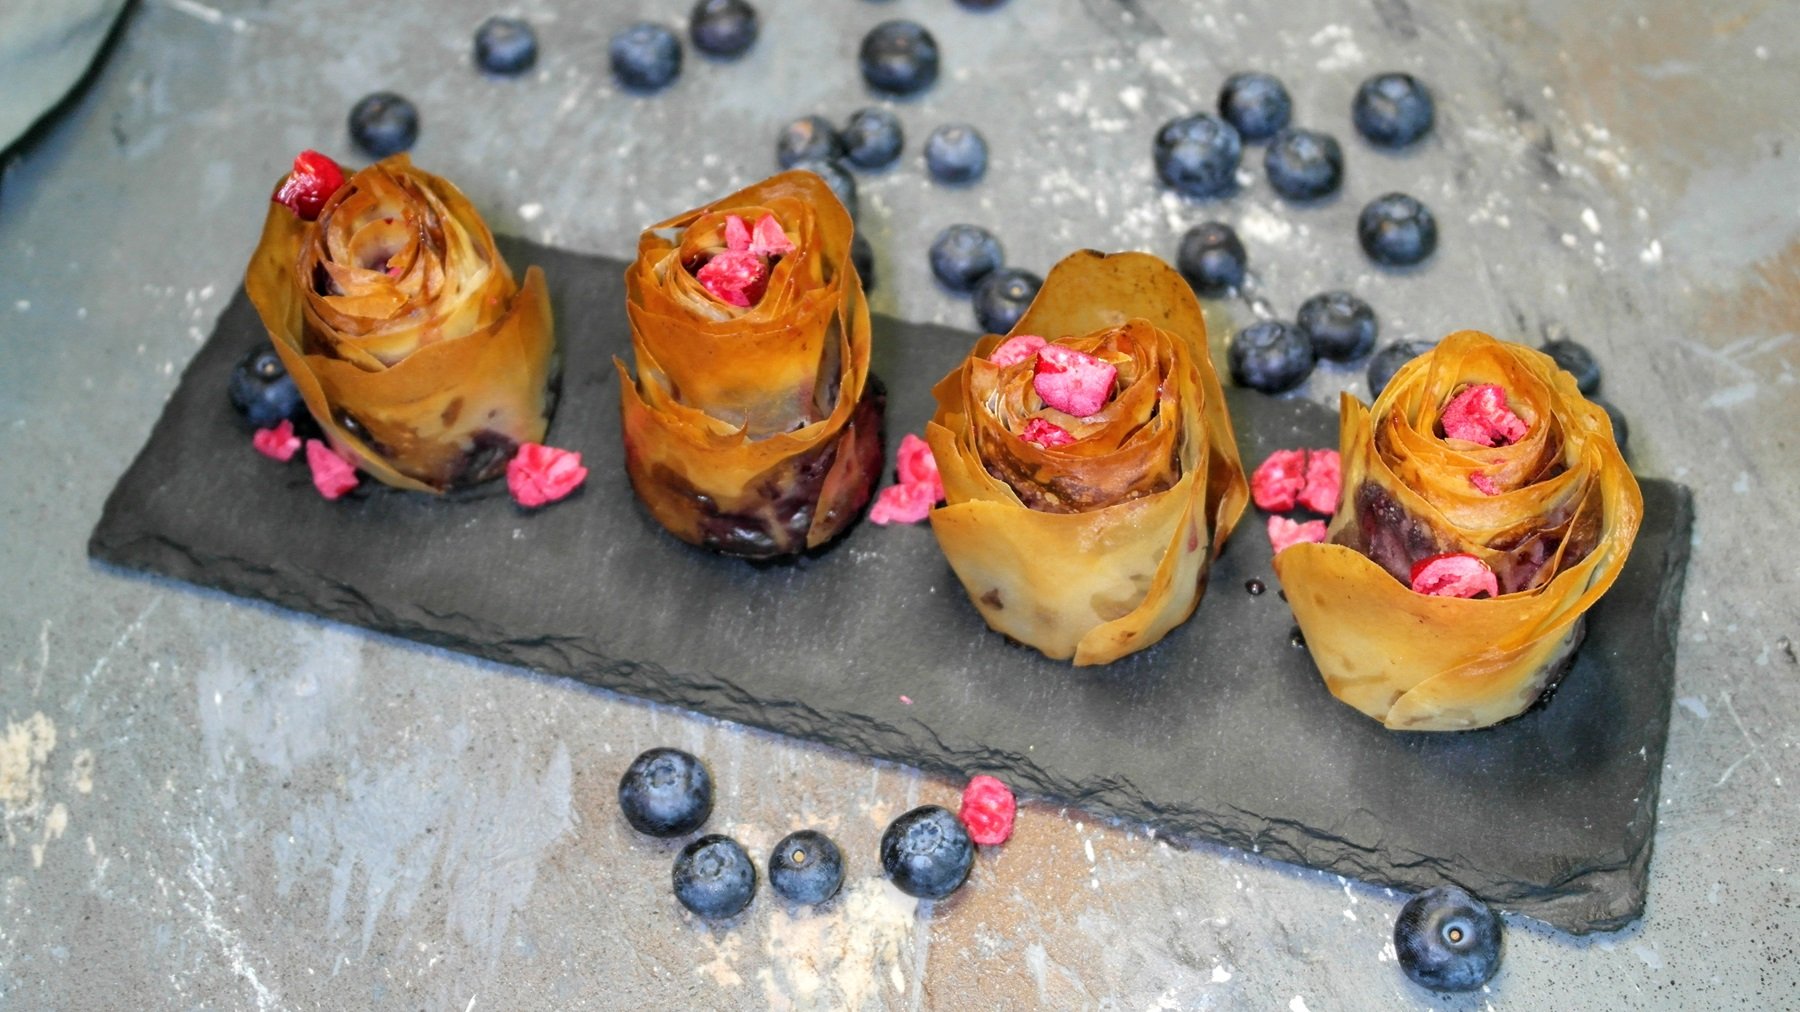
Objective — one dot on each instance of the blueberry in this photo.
(956, 153)
(1304, 164)
(1621, 431)
(1388, 361)
(1392, 110)
(927, 852)
(1003, 296)
(1198, 155)
(980, 5)
(872, 138)
(1577, 360)
(384, 124)
(1270, 356)
(665, 792)
(1212, 258)
(261, 389)
(862, 255)
(505, 46)
(722, 27)
(808, 139)
(645, 56)
(1256, 104)
(1447, 940)
(962, 255)
(714, 877)
(1396, 230)
(899, 57)
(842, 183)
(1342, 326)
(806, 867)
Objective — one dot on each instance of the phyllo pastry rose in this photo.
(1485, 509)
(1090, 472)
(752, 427)
(418, 355)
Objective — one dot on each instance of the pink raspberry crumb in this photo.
(332, 475)
(1322, 473)
(916, 465)
(988, 810)
(1014, 350)
(306, 189)
(1073, 381)
(1484, 484)
(769, 239)
(1046, 433)
(1480, 415)
(1454, 574)
(902, 504)
(735, 277)
(1285, 533)
(277, 441)
(1277, 481)
(737, 234)
(539, 474)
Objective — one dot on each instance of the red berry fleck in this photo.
(1454, 574)
(988, 810)
(770, 240)
(1014, 350)
(1277, 481)
(737, 234)
(1321, 492)
(1285, 533)
(916, 465)
(902, 504)
(332, 475)
(1480, 415)
(278, 441)
(1484, 484)
(1046, 433)
(540, 474)
(735, 277)
(1073, 381)
(314, 179)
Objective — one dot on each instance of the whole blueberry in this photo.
(842, 183)
(1396, 230)
(1621, 431)
(1388, 361)
(1447, 940)
(862, 256)
(722, 27)
(1580, 363)
(714, 877)
(962, 255)
(927, 852)
(1342, 326)
(645, 57)
(261, 389)
(1392, 110)
(1003, 296)
(665, 792)
(956, 153)
(384, 123)
(1198, 155)
(1212, 258)
(1304, 164)
(1256, 104)
(872, 138)
(806, 867)
(899, 57)
(1270, 356)
(505, 45)
(808, 139)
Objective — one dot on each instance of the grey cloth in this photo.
(45, 47)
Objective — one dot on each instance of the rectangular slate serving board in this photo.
(1223, 731)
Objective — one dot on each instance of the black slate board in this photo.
(1223, 731)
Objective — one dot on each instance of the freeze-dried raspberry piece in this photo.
(1017, 349)
(1454, 574)
(1277, 481)
(1073, 381)
(988, 810)
(332, 475)
(1484, 484)
(916, 465)
(1480, 415)
(1046, 433)
(1321, 491)
(902, 504)
(540, 474)
(277, 441)
(1285, 533)
(314, 179)
(735, 277)
(737, 234)
(769, 240)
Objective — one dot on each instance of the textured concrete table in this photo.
(208, 803)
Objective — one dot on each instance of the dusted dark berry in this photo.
(862, 257)
(384, 124)
(899, 57)
(842, 183)
(1256, 104)
(808, 139)
(1396, 230)
(1574, 357)
(1621, 431)
(1388, 361)
(1304, 164)
(505, 46)
(1003, 296)
(956, 153)
(927, 852)
(665, 792)
(645, 56)
(1342, 326)
(1392, 110)
(872, 138)
(1270, 356)
(1447, 940)
(1198, 155)
(806, 867)
(262, 391)
(714, 877)
(962, 255)
(722, 27)
(1211, 258)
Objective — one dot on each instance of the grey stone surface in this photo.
(45, 46)
(209, 803)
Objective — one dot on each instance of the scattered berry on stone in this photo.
(1388, 361)
(927, 853)
(1256, 104)
(1212, 258)
(666, 792)
(899, 58)
(1304, 164)
(806, 867)
(808, 139)
(873, 138)
(1574, 358)
(714, 877)
(262, 391)
(1342, 326)
(842, 183)
(962, 255)
(1448, 940)
(1397, 230)
(722, 28)
(1198, 155)
(384, 123)
(1270, 356)
(505, 46)
(1003, 296)
(645, 56)
(956, 153)
(1392, 110)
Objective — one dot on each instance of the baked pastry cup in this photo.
(754, 429)
(1093, 544)
(1549, 512)
(415, 351)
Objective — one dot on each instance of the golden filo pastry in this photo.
(1485, 509)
